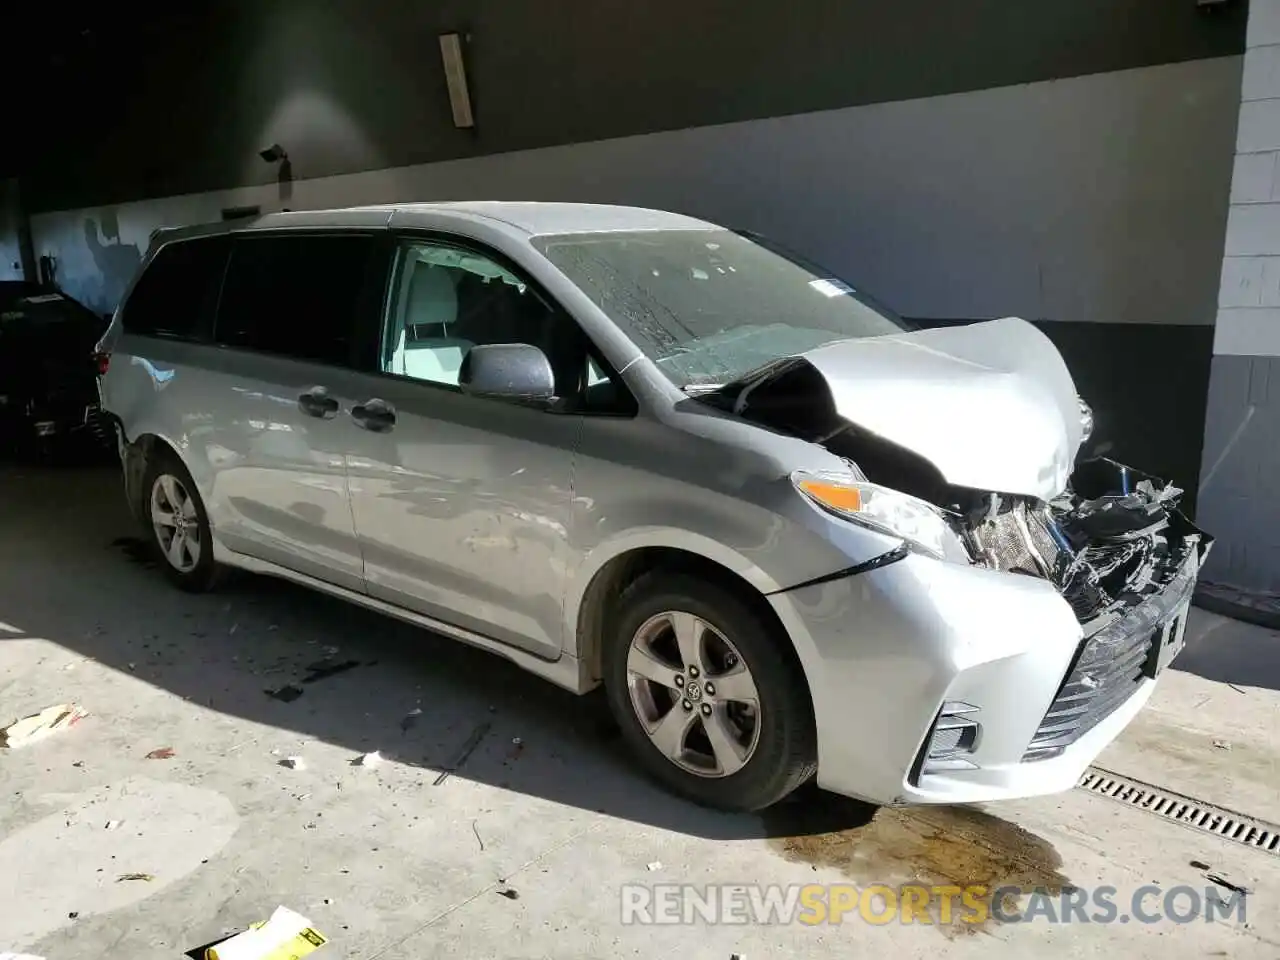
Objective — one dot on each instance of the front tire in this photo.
(175, 517)
(709, 698)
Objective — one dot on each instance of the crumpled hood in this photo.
(991, 405)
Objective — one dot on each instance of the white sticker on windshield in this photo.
(831, 288)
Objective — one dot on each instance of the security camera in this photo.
(273, 153)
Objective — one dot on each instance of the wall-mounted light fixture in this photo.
(455, 75)
(273, 154)
(284, 173)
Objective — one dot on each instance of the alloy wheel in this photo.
(693, 694)
(175, 522)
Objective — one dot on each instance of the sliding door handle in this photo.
(316, 402)
(376, 415)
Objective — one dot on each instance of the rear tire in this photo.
(177, 523)
(709, 698)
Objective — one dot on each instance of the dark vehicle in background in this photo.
(48, 371)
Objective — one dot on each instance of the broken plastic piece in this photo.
(135, 876)
(410, 719)
(111, 824)
(294, 763)
(286, 936)
(473, 741)
(655, 865)
(1228, 884)
(370, 759)
(36, 727)
(161, 753)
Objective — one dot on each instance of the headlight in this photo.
(1086, 419)
(897, 514)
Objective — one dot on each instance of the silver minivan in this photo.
(790, 535)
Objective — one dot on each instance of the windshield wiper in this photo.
(728, 394)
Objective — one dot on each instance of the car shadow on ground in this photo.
(1230, 651)
(77, 574)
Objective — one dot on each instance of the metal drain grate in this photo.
(1184, 810)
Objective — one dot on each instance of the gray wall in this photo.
(10, 248)
(1095, 200)
(1241, 465)
(350, 85)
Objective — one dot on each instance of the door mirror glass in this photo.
(507, 371)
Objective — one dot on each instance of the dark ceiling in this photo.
(64, 59)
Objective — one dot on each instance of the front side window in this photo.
(177, 292)
(711, 305)
(448, 299)
(297, 295)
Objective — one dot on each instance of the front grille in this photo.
(1106, 673)
(1110, 665)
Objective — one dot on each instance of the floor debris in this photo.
(1227, 884)
(286, 694)
(1222, 744)
(476, 831)
(468, 748)
(36, 727)
(323, 670)
(370, 759)
(161, 753)
(135, 876)
(656, 865)
(294, 763)
(111, 824)
(410, 718)
(510, 893)
(286, 936)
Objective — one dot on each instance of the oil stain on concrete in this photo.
(929, 846)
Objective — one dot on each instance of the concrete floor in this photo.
(390, 865)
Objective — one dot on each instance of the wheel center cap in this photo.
(693, 690)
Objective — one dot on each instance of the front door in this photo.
(462, 504)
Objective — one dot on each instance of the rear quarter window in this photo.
(178, 291)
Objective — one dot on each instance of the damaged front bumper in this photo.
(1126, 560)
(945, 683)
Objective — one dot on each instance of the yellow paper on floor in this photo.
(286, 936)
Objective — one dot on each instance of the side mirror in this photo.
(507, 371)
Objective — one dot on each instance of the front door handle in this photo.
(316, 402)
(376, 415)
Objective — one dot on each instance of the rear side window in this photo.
(177, 293)
(298, 295)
